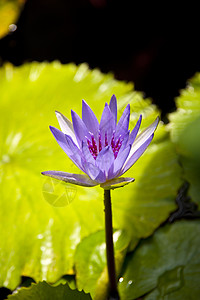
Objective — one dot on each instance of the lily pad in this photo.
(184, 129)
(90, 262)
(44, 291)
(165, 266)
(37, 239)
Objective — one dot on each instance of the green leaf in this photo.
(44, 291)
(90, 262)
(37, 239)
(165, 265)
(184, 129)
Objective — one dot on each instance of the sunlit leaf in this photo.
(37, 239)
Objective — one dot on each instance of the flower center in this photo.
(94, 149)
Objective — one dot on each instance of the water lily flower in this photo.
(103, 151)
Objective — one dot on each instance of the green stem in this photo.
(110, 247)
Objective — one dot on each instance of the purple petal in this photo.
(142, 137)
(105, 160)
(67, 144)
(80, 128)
(113, 107)
(135, 130)
(126, 113)
(124, 141)
(116, 183)
(77, 179)
(107, 125)
(90, 120)
(123, 128)
(136, 155)
(94, 172)
(120, 160)
(87, 154)
(101, 177)
(66, 126)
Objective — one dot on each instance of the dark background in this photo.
(154, 45)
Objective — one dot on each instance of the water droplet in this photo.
(12, 27)
(116, 235)
(121, 279)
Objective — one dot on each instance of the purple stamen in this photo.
(106, 139)
(116, 146)
(112, 142)
(100, 145)
(92, 145)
